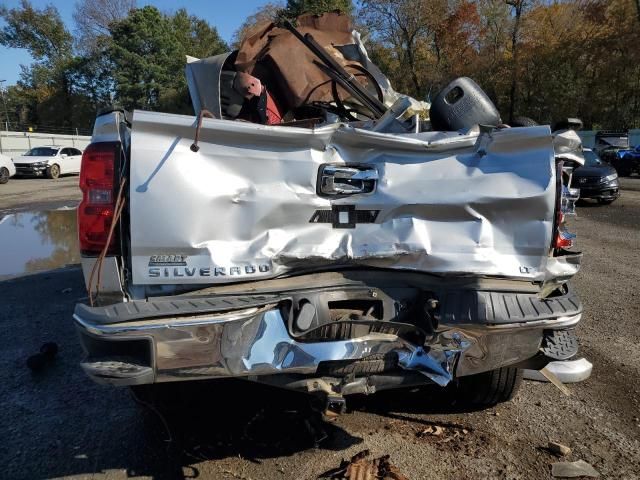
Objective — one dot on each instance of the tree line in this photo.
(544, 59)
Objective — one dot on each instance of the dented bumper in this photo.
(146, 342)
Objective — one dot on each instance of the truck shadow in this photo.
(207, 421)
(58, 423)
(211, 420)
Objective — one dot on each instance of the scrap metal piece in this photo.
(205, 83)
(337, 71)
(555, 380)
(573, 469)
(568, 145)
(437, 365)
(360, 468)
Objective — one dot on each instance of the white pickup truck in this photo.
(333, 259)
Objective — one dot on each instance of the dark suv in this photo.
(596, 179)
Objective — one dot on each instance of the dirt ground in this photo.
(33, 193)
(60, 424)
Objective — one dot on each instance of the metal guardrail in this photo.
(16, 143)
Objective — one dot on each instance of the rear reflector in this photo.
(97, 208)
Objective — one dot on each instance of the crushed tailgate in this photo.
(257, 202)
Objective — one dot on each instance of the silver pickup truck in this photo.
(334, 259)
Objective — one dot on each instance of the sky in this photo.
(219, 13)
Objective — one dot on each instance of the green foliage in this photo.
(296, 8)
(41, 32)
(195, 36)
(47, 89)
(145, 56)
(147, 51)
(563, 58)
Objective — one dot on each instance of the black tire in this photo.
(490, 388)
(53, 171)
(523, 122)
(623, 169)
(4, 175)
(370, 365)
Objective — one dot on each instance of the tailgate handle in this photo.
(347, 180)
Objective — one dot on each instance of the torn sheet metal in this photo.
(246, 205)
(268, 52)
(568, 145)
(204, 78)
(267, 55)
(437, 365)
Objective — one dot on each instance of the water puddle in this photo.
(37, 241)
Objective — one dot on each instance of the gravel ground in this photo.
(59, 424)
(29, 193)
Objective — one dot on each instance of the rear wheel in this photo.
(53, 171)
(490, 388)
(4, 175)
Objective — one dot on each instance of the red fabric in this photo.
(273, 113)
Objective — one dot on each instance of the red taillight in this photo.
(97, 208)
(562, 238)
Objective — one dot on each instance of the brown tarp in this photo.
(286, 66)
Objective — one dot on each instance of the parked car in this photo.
(609, 142)
(332, 257)
(596, 179)
(49, 160)
(627, 162)
(613, 147)
(7, 168)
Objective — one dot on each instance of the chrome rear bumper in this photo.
(255, 342)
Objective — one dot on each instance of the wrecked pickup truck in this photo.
(353, 241)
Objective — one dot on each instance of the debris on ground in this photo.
(573, 469)
(559, 449)
(435, 430)
(549, 375)
(360, 468)
(47, 354)
(444, 433)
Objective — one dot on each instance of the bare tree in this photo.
(518, 7)
(405, 26)
(267, 13)
(93, 18)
